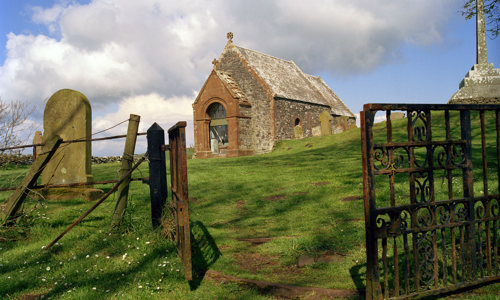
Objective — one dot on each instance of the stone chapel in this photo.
(252, 100)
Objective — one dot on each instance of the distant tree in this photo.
(491, 13)
(12, 117)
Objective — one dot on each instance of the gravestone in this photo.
(397, 115)
(37, 139)
(68, 115)
(325, 120)
(482, 83)
(298, 132)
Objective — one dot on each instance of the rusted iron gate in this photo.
(432, 201)
(179, 185)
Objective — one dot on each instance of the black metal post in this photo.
(157, 172)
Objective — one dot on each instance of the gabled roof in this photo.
(286, 80)
(338, 106)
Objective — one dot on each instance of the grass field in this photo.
(257, 217)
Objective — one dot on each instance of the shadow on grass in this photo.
(204, 252)
(358, 275)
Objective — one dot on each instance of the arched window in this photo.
(297, 122)
(218, 127)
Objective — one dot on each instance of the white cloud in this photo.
(111, 50)
(151, 108)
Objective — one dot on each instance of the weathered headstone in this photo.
(68, 115)
(316, 130)
(37, 139)
(397, 115)
(325, 120)
(342, 123)
(298, 132)
(482, 82)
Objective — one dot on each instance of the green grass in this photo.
(305, 198)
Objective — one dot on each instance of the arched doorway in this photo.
(218, 128)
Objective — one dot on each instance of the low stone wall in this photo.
(106, 159)
(15, 159)
(24, 160)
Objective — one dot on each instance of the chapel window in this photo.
(218, 128)
(297, 122)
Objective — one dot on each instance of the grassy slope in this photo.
(304, 198)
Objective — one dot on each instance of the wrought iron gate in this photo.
(432, 202)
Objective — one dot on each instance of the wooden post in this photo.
(15, 200)
(157, 173)
(127, 160)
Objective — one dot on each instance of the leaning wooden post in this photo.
(127, 160)
(15, 200)
(157, 172)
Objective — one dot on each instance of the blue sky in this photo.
(151, 57)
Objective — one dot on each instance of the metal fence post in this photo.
(157, 172)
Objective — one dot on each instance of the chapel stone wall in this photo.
(261, 120)
(288, 111)
(245, 128)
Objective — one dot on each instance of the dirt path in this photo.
(286, 291)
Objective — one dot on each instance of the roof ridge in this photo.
(333, 93)
(311, 85)
(328, 87)
(264, 54)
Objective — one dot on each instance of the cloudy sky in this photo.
(151, 57)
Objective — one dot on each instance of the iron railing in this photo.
(432, 201)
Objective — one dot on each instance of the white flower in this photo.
(140, 286)
(107, 257)
(87, 256)
(48, 268)
(147, 243)
(94, 288)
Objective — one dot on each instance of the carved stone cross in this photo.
(482, 53)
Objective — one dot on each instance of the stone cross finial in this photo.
(230, 36)
(215, 62)
(482, 54)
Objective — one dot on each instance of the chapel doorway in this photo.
(218, 128)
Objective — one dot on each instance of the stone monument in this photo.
(325, 119)
(482, 83)
(68, 115)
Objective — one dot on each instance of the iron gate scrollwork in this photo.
(432, 202)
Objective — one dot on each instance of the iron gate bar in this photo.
(180, 199)
(447, 244)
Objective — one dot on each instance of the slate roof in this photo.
(286, 80)
(337, 105)
(231, 85)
